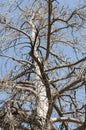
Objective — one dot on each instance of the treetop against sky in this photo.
(43, 64)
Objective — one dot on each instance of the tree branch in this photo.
(49, 28)
(61, 119)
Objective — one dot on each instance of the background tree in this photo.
(43, 58)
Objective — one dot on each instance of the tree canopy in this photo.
(43, 65)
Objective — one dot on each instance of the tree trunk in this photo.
(42, 100)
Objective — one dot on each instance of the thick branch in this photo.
(49, 28)
(61, 119)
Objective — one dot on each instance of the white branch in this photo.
(60, 119)
(26, 88)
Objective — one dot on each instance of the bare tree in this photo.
(43, 65)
